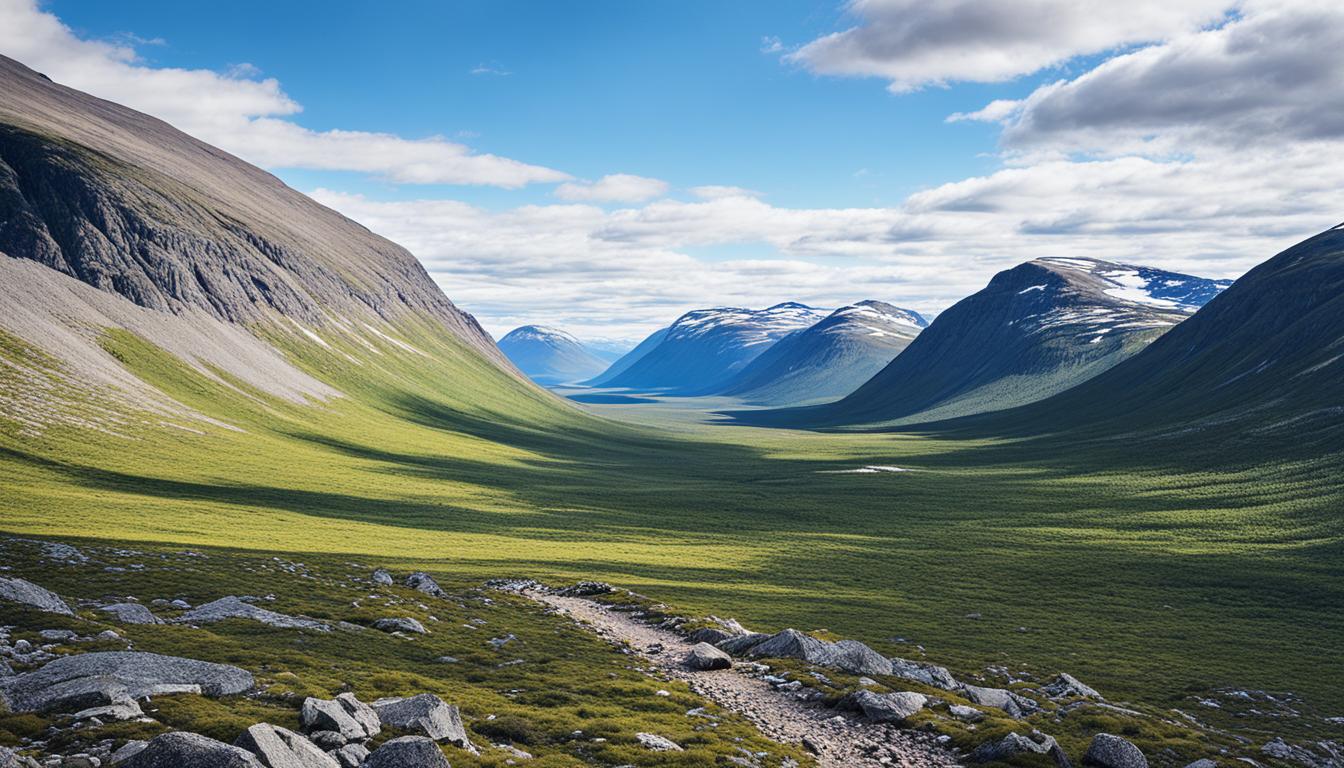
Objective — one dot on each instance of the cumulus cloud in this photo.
(613, 188)
(716, 191)
(915, 43)
(241, 112)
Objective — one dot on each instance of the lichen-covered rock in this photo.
(401, 624)
(278, 747)
(704, 657)
(423, 582)
(657, 743)
(233, 607)
(407, 752)
(1110, 751)
(180, 749)
(130, 613)
(886, 707)
(17, 590)
(113, 677)
(1014, 704)
(425, 713)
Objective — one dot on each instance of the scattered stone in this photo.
(500, 642)
(116, 677)
(886, 707)
(58, 635)
(920, 672)
(180, 604)
(1015, 705)
(1068, 686)
(381, 576)
(423, 582)
(233, 607)
(965, 713)
(11, 759)
(408, 752)
(704, 656)
(402, 624)
(130, 613)
(587, 589)
(351, 755)
(426, 713)
(1012, 745)
(657, 743)
(18, 590)
(1109, 751)
(278, 747)
(128, 710)
(346, 715)
(180, 749)
(23, 646)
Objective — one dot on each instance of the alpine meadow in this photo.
(893, 384)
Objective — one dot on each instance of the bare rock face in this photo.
(180, 749)
(278, 747)
(130, 613)
(17, 590)
(426, 713)
(73, 683)
(408, 752)
(1109, 751)
(232, 607)
(705, 657)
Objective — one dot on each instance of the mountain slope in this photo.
(1264, 358)
(550, 356)
(703, 349)
(1035, 330)
(830, 359)
(624, 362)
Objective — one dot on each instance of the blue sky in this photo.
(605, 166)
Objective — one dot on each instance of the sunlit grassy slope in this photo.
(1155, 578)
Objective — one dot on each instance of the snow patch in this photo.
(871, 469)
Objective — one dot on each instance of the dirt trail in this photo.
(837, 740)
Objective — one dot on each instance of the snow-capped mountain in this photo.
(830, 359)
(550, 356)
(704, 348)
(1035, 330)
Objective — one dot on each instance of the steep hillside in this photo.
(1264, 358)
(704, 349)
(624, 362)
(830, 359)
(1034, 331)
(549, 356)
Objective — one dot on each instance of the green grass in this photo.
(1155, 577)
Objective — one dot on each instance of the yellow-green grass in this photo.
(1155, 578)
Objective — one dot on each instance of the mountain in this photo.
(623, 362)
(830, 359)
(1265, 358)
(1037, 329)
(119, 231)
(705, 348)
(550, 356)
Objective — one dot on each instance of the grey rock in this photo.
(53, 550)
(23, 646)
(1010, 746)
(742, 644)
(180, 749)
(5, 669)
(792, 644)
(1067, 686)
(657, 743)
(383, 577)
(711, 635)
(17, 590)
(130, 613)
(886, 707)
(427, 714)
(351, 718)
(278, 747)
(1109, 751)
(127, 751)
(351, 755)
(11, 759)
(920, 672)
(115, 677)
(58, 635)
(408, 752)
(587, 589)
(858, 659)
(128, 710)
(1203, 762)
(704, 656)
(402, 624)
(328, 740)
(423, 582)
(965, 713)
(1015, 705)
(232, 607)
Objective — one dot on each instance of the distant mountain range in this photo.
(550, 356)
(1037, 329)
(830, 359)
(704, 349)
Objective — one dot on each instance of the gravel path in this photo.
(838, 741)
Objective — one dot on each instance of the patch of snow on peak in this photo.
(1031, 288)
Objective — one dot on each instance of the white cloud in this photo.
(716, 191)
(915, 43)
(240, 112)
(614, 188)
